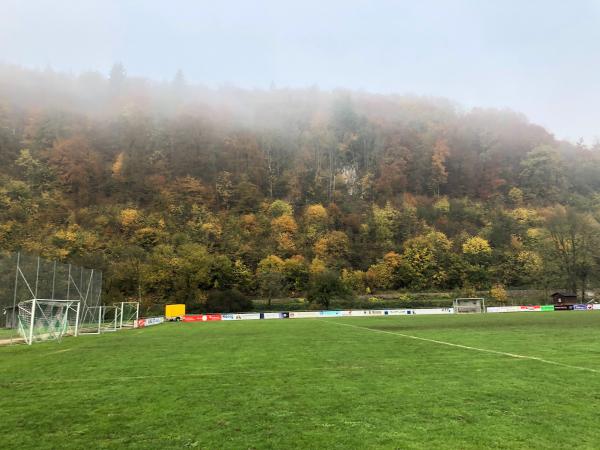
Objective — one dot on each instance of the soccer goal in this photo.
(109, 318)
(128, 314)
(44, 320)
(90, 320)
(469, 305)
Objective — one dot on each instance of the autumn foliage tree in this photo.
(273, 192)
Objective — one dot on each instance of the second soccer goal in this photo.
(469, 305)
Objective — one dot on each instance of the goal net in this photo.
(469, 305)
(103, 319)
(90, 321)
(44, 320)
(128, 314)
(109, 318)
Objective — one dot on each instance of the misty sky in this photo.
(540, 57)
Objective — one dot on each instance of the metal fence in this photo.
(26, 277)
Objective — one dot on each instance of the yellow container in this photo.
(174, 312)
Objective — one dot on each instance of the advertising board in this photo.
(304, 314)
(530, 308)
(503, 309)
(583, 307)
(330, 313)
(201, 317)
(274, 315)
(240, 316)
(247, 316)
(148, 321)
(495, 309)
(398, 312)
(563, 308)
(354, 313)
(434, 311)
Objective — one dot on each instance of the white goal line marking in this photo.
(467, 347)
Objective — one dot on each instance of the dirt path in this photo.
(16, 340)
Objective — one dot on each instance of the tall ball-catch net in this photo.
(469, 305)
(25, 278)
(46, 300)
(44, 320)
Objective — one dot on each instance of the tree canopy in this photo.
(180, 192)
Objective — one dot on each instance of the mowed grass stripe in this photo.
(466, 347)
(242, 370)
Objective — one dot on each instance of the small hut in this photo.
(10, 317)
(564, 298)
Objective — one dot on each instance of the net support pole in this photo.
(121, 319)
(69, 284)
(14, 316)
(77, 319)
(102, 312)
(53, 279)
(99, 300)
(37, 277)
(99, 319)
(137, 315)
(31, 324)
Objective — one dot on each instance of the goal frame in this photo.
(90, 322)
(34, 306)
(124, 319)
(457, 306)
(111, 323)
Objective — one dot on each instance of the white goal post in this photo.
(43, 319)
(90, 320)
(128, 314)
(107, 318)
(99, 319)
(469, 305)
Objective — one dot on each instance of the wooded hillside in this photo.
(180, 191)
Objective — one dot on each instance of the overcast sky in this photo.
(540, 57)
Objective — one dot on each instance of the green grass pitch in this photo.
(312, 383)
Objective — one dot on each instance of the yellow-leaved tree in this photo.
(270, 276)
(316, 221)
(333, 248)
(283, 230)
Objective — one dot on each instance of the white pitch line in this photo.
(467, 347)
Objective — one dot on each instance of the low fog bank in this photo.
(99, 95)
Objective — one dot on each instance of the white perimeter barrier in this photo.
(355, 313)
(503, 309)
(368, 312)
(241, 316)
(148, 321)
